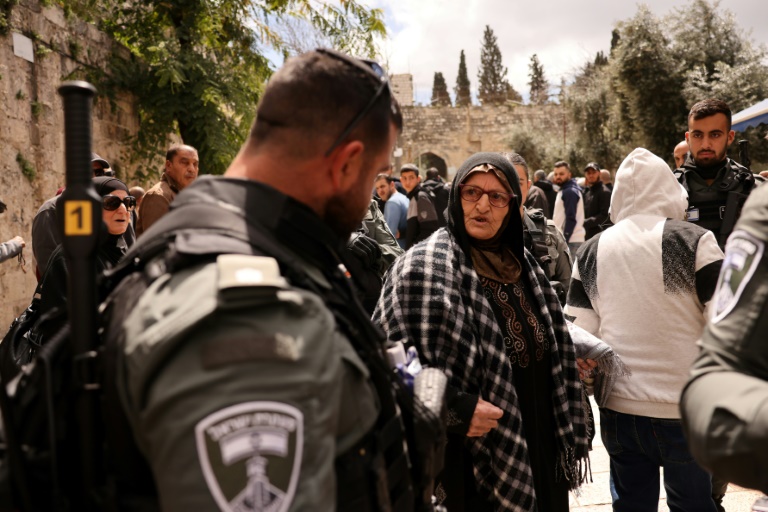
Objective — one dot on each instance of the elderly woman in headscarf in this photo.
(476, 305)
(116, 206)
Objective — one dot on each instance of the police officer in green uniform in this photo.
(250, 376)
(725, 403)
(717, 186)
(542, 237)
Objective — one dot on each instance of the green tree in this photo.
(494, 88)
(197, 68)
(720, 61)
(648, 78)
(440, 96)
(462, 91)
(538, 84)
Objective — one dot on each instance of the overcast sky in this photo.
(426, 36)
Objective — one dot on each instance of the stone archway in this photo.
(429, 159)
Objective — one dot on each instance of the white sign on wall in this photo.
(23, 47)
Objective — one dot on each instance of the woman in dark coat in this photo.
(116, 208)
(476, 305)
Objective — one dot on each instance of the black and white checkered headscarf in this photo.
(433, 299)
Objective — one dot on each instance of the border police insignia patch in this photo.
(250, 454)
(742, 256)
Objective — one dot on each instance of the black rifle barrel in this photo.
(744, 154)
(79, 213)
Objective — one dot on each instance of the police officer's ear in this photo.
(346, 163)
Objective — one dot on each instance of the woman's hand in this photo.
(485, 418)
(585, 367)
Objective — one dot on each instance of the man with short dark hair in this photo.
(597, 201)
(181, 169)
(717, 186)
(395, 207)
(422, 216)
(252, 377)
(540, 181)
(569, 207)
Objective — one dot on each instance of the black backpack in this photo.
(438, 192)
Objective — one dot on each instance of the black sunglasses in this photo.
(373, 69)
(112, 203)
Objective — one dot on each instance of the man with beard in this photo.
(251, 376)
(569, 207)
(717, 186)
(181, 169)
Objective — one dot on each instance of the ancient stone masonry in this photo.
(31, 126)
(451, 134)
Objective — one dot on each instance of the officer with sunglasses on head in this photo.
(250, 375)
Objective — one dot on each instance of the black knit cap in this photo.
(513, 234)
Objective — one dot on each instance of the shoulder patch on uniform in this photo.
(237, 271)
(743, 254)
(250, 454)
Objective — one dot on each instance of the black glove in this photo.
(365, 249)
(2, 207)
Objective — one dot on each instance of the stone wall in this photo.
(453, 133)
(31, 128)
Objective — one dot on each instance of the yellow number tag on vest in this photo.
(78, 217)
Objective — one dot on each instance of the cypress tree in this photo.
(494, 88)
(463, 95)
(440, 96)
(539, 86)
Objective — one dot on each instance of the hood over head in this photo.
(644, 185)
(513, 232)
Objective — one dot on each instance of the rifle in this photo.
(736, 200)
(744, 154)
(80, 221)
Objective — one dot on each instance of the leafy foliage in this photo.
(538, 84)
(462, 90)
(494, 88)
(198, 67)
(440, 96)
(657, 69)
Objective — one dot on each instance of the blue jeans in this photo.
(638, 446)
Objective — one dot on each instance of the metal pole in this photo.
(79, 213)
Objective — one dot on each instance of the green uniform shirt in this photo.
(241, 390)
(725, 404)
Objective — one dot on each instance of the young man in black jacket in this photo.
(597, 201)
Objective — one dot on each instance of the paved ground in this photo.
(596, 497)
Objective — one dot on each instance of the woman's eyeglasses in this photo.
(112, 203)
(473, 194)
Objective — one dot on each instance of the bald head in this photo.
(681, 150)
(605, 176)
